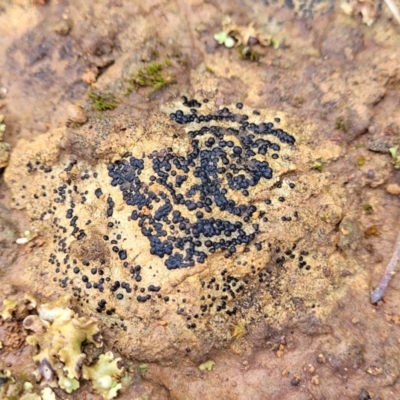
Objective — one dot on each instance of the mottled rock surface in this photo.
(201, 219)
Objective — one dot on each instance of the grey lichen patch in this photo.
(191, 220)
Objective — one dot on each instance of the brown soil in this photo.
(334, 82)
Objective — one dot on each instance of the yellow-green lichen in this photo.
(142, 368)
(46, 394)
(244, 38)
(67, 384)
(207, 366)
(28, 386)
(395, 156)
(58, 335)
(318, 166)
(30, 396)
(9, 306)
(18, 307)
(62, 341)
(104, 375)
(223, 38)
(28, 236)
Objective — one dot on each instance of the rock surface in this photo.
(171, 242)
(337, 98)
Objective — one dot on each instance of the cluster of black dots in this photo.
(232, 295)
(179, 217)
(221, 161)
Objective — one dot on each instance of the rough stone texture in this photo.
(274, 277)
(76, 114)
(4, 147)
(4, 154)
(393, 188)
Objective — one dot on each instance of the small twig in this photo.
(394, 9)
(379, 291)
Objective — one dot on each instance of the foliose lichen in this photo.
(104, 375)
(59, 334)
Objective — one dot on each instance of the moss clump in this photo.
(342, 124)
(368, 209)
(142, 368)
(151, 76)
(318, 167)
(103, 101)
